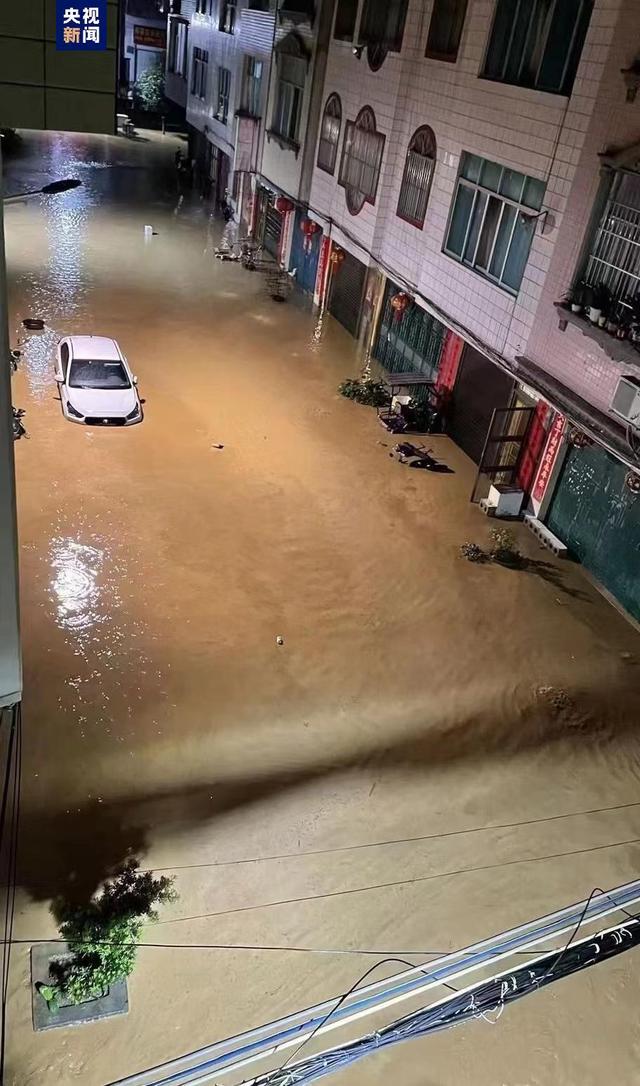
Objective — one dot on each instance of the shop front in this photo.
(595, 511)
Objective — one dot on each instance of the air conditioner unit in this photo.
(626, 401)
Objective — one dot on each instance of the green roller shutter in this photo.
(598, 518)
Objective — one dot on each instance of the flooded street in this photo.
(398, 776)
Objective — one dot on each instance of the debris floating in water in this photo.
(34, 324)
(279, 640)
(217, 445)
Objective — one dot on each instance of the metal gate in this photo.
(347, 290)
(503, 448)
(412, 344)
(598, 518)
(305, 253)
(480, 387)
(269, 222)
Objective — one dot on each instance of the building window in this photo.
(224, 88)
(361, 160)
(330, 134)
(445, 29)
(614, 253)
(416, 179)
(227, 20)
(291, 64)
(537, 43)
(252, 87)
(199, 65)
(203, 7)
(382, 29)
(493, 219)
(345, 24)
(178, 47)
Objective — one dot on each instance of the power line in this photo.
(471, 1003)
(249, 946)
(399, 882)
(300, 853)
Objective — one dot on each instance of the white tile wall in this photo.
(544, 135)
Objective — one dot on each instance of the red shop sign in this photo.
(549, 457)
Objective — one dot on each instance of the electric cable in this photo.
(471, 1003)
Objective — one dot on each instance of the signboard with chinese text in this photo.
(549, 456)
(81, 26)
(152, 37)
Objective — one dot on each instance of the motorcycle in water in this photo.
(18, 426)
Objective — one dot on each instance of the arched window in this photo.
(361, 160)
(291, 66)
(330, 134)
(416, 179)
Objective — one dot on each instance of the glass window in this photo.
(491, 225)
(445, 29)
(252, 87)
(382, 28)
(199, 65)
(224, 87)
(86, 373)
(361, 160)
(292, 72)
(227, 20)
(537, 43)
(345, 24)
(416, 179)
(330, 134)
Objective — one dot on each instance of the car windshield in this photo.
(97, 373)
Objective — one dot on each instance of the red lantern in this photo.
(400, 303)
(309, 228)
(283, 204)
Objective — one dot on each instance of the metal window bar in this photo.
(329, 136)
(615, 257)
(362, 161)
(414, 191)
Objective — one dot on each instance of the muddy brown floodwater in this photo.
(390, 778)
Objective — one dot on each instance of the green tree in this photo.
(103, 935)
(149, 89)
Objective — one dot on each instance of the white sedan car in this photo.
(96, 385)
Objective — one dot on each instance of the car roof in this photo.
(94, 347)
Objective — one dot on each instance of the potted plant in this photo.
(603, 302)
(573, 299)
(596, 299)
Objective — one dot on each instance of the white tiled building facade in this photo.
(485, 269)
(545, 136)
(581, 455)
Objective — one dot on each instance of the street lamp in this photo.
(52, 189)
(10, 654)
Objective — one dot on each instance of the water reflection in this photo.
(75, 588)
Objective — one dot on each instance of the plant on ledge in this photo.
(371, 393)
(103, 935)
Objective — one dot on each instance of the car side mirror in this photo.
(59, 378)
(135, 380)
